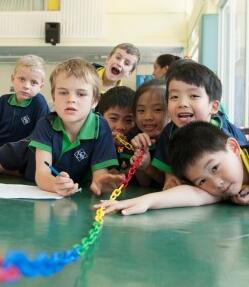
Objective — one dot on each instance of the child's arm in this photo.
(145, 171)
(104, 181)
(243, 197)
(61, 184)
(180, 196)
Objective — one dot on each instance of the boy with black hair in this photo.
(193, 93)
(116, 107)
(211, 161)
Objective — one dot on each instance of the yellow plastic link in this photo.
(116, 192)
(122, 140)
(99, 214)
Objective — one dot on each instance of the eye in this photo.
(195, 96)
(201, 182)
(62, 93)
(80, 94)
(215, 168)
(173, 97)
(113, 119)
(127, 63)
(34, 82)
(21, 79)
(129, 122)
(140, 111)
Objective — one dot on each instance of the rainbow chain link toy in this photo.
(16, 263)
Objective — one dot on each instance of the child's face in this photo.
(26, 83)
(151, 116)
(73, 100)
(188, 103)
(158, 72)
(219, 173)
(119, 65)
(119, 119)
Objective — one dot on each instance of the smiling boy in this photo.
(193, 93)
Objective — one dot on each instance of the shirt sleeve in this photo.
(104, 153)
(161, 157)
(41, 137)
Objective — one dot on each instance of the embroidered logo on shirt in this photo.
(25, 120)
(80, 154)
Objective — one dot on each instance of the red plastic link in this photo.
(9, 274)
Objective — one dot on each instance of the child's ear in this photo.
(42, 85)
(94, 103)
(233, 145)
(215, 107)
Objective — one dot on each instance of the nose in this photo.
(148, 115)
(120, 127)
(183, 102)
(26, 84)
(71, 98)
(218, 183)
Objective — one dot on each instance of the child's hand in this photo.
(127, 207)
(242, 197)
(171, 181)
(142, 140)
(64, 185)
(103, 181)
(145, 160)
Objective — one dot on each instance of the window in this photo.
(232, 60)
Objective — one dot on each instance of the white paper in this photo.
(25, 191)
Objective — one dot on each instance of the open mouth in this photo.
(185, 115)
(115, 71)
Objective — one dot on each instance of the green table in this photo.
(201, 246)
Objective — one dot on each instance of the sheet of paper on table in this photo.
(25, 191)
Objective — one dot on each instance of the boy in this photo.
(193, 92)
(116, 107)
(120, 63)
(72, 140)
(21, 110)
(212, 161)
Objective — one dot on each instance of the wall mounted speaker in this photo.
(52, 32)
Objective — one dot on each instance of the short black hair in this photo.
(166, 60)
(190, 142)
(151, 85)
(119, 96)
(196, 74)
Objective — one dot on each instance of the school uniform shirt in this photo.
(93, 149)
(161, 158)
(18, 120)
(245, 157)
(100, 72)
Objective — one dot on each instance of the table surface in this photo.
(198, 246)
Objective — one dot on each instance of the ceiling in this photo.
(90, 53)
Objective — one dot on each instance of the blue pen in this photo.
(55, 173)
(53, 170)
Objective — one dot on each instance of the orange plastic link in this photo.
(122, 139)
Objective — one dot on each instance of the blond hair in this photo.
(33, 62)
(129, 49)
(79, 68)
